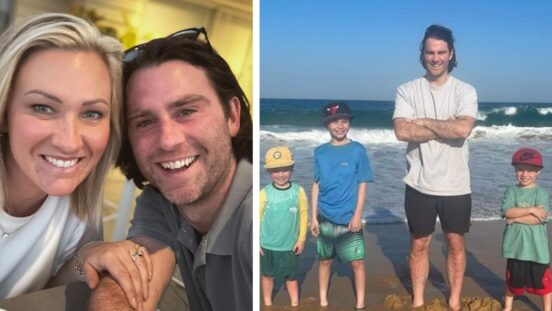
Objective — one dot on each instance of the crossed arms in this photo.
(425, 129)
(526, 215)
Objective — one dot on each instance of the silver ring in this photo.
(137, 253)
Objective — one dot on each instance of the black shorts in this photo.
(529, 276)
(422, 209)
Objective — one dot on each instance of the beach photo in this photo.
(317, 53)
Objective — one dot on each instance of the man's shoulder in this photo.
(240, 196)
(244, 211)
(242, 184)
(461, 86)
(244, 168)
(235, 220)
(414, 83)
(241, 220)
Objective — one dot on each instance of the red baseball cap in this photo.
(527, 156)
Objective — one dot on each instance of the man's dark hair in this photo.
(221, 78)
(440, 33)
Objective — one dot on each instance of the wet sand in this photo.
(388, 280)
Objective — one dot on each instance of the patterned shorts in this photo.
(336, 240)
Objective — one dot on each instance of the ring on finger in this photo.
(137, 253)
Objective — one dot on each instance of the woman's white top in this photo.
(37, 245)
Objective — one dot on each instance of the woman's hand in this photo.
(127, 262)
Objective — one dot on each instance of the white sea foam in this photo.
(387, 136)
(319, 136)
(509, 131)
(481, 116)
(508, 111)
(545, 111)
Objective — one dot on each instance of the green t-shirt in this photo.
(283, 217)
(521, 241)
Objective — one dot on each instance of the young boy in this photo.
(341, 174)
(283, 212)
(525, 242)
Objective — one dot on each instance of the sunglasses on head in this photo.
(187, 34)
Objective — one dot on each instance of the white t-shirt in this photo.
(439, 166)
(38, 245)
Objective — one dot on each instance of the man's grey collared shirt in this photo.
(216, 268)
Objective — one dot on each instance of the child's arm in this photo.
(526, 215)
(303, 216)
(356, 222)
(262, 204)
(314, 204)
(526, 220)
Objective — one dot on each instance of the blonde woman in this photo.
(60, 103)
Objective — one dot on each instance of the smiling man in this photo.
(189, 146)
(435, 114)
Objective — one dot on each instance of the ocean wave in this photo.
(517, 115)
(482, 115)
(509, 111)
(380, 116)
(387, 136)
(482, 219)
(509, 131)
(382, 220)
(545, 111)
(320, 136)
(374, 220)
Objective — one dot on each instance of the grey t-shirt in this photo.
(439, 166)
(216, 268)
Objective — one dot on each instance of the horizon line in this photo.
(392, 100)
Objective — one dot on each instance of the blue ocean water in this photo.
(501, 129)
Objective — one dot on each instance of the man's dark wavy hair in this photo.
(221, 78)
(440, 33)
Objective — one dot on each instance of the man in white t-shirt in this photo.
(435, 114)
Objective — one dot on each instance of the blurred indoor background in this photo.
(229, 27)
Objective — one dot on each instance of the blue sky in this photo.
(356, 49)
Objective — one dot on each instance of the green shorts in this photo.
(281, 265)
(337, 240)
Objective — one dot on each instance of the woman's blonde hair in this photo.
(62, 31)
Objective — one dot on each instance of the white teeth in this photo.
(61, 163)
(175, 165)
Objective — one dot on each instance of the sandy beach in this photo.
(388, 281)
